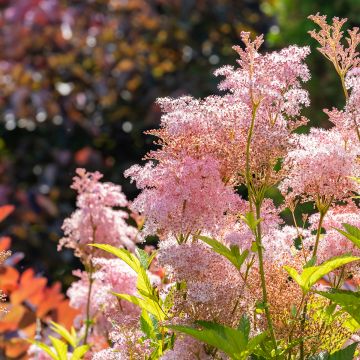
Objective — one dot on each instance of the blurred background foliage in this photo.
(78, 81)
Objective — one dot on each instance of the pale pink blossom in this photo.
(332, 243)
(112, 275)
(320, 166)
(182, 197)
(97, 218)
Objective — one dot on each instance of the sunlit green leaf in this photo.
(352, 233)
(62, 331)
(233, 254)
(60, 347)
(311, 275)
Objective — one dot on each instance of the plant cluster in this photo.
(229, 280)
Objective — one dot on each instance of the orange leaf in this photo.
(16, 347)
(5, 242)
(5, 211)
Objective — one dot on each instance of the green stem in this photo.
(295, 322)
(88, 319)
(91, 280)
(323, 211)
(258, 234)
(318, 231)
(302, 326)
(262, 277)
(248, 143)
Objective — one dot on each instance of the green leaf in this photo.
(233, 254)
(44, 348)
(145, 304)
(240, 257)
(147, 326)
(143, 257)
(310, 263)
(353, 233)
(254, 247)
(355, 179)
(60, 347)
(64, 333)
(231, 341)
(344, 354)
(321, 356)
(244, 326)
(122, 254)
(250, 220)
(169, 300)
(79, 352)
(143, 285)
(348, 300)
(313, 274)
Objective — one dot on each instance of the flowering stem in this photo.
(248, 143)
(262, 277)
(346, 93)
(318, 231)
(258, 202)
(91, 280)
(88, 320)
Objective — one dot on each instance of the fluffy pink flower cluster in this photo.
(112, 275)
(333, 243)
(237, 233)
(213, 285)
(101, 217)
(203, 153)
(97, 219)
(320, 166)
(272, 79)
(181, 197)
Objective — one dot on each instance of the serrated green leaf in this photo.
(352, 234)
(122, 254)
(64, 333)
(233, 254)
(169, 299)
(348, 300)
(250, 220)
(60, 347)
(310, 263)
(143, 285)
(44, 348)
(146, 325)
(244, 326)
(256, 341)
(145, 304)
(344, 354)
(311, 275)
(143, 257)
(79, 352)
(231, 341)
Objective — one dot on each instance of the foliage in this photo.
(154, 310)
(59, 349)
(28, 299)
(233, 342)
